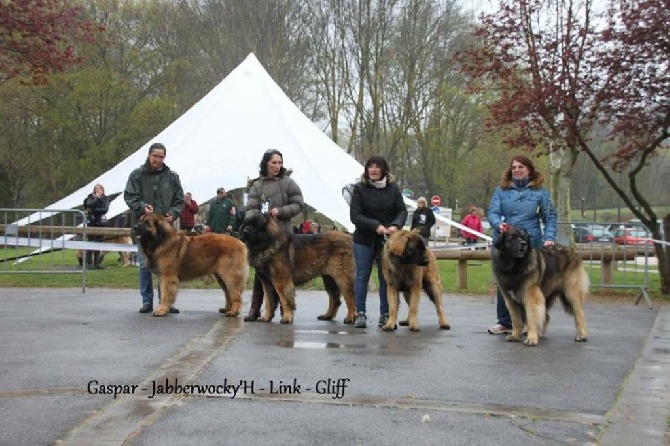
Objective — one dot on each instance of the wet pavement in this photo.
(199, 378)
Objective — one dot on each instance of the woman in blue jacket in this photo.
(521, 201)
(377, 211)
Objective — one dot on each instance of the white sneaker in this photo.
(499, 329)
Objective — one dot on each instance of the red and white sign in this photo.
(435, 200)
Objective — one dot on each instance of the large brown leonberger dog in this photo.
(531, 279)
(284, 261)
(410, 266)
(176, 257)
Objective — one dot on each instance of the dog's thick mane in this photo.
(261, 251)
(402, 278)
(403, 275)
(150, 243)
(512, 268)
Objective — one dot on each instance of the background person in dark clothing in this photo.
(222, 212)
(96, 206)
(377, 210)
(423, 218)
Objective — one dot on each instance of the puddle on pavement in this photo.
(318, 345)
(322, 332)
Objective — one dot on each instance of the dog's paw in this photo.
(325, 317)
(445, 327)
(349, 320)
(580, 338)
(512, 338)
(160, 313)
(530, 342)
(286, 320)
(414, 327)
(264, 319)
(232, 313)
(389, 327)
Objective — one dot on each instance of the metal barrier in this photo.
(36, 241)
(632, 259)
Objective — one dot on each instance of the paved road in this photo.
(322, 382)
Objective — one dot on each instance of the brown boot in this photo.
(256, 301)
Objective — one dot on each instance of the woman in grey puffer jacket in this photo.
(276, 193)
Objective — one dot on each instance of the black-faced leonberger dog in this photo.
(176, 257)
(531, 279)
(409, 266)
(285, 261)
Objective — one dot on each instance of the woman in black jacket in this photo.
(423, 218)
(96, 205)
(377, 211)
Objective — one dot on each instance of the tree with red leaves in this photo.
(38, 37)
(559, 71)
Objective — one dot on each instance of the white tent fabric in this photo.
(220, 141)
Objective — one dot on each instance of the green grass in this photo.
(115, 276)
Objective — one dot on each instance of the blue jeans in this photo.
(504, 317)
(146, 282)
(364, 256)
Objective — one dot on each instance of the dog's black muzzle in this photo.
(419, 260)
(520, 249)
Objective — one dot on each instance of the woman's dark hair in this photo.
(532, 173)
(381, 162)
(266, 159)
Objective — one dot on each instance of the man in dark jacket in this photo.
(221, 215)
(153, 188)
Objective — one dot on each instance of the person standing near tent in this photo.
(273, 192)
(187, 216)
(221, 215)
(153, 187)
(377, 210)
(96, 205)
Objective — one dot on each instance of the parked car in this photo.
(595, 234)
(632, 236)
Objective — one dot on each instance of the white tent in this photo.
(221, 140)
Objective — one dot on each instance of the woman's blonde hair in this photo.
(101, 187)
(421, 200)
